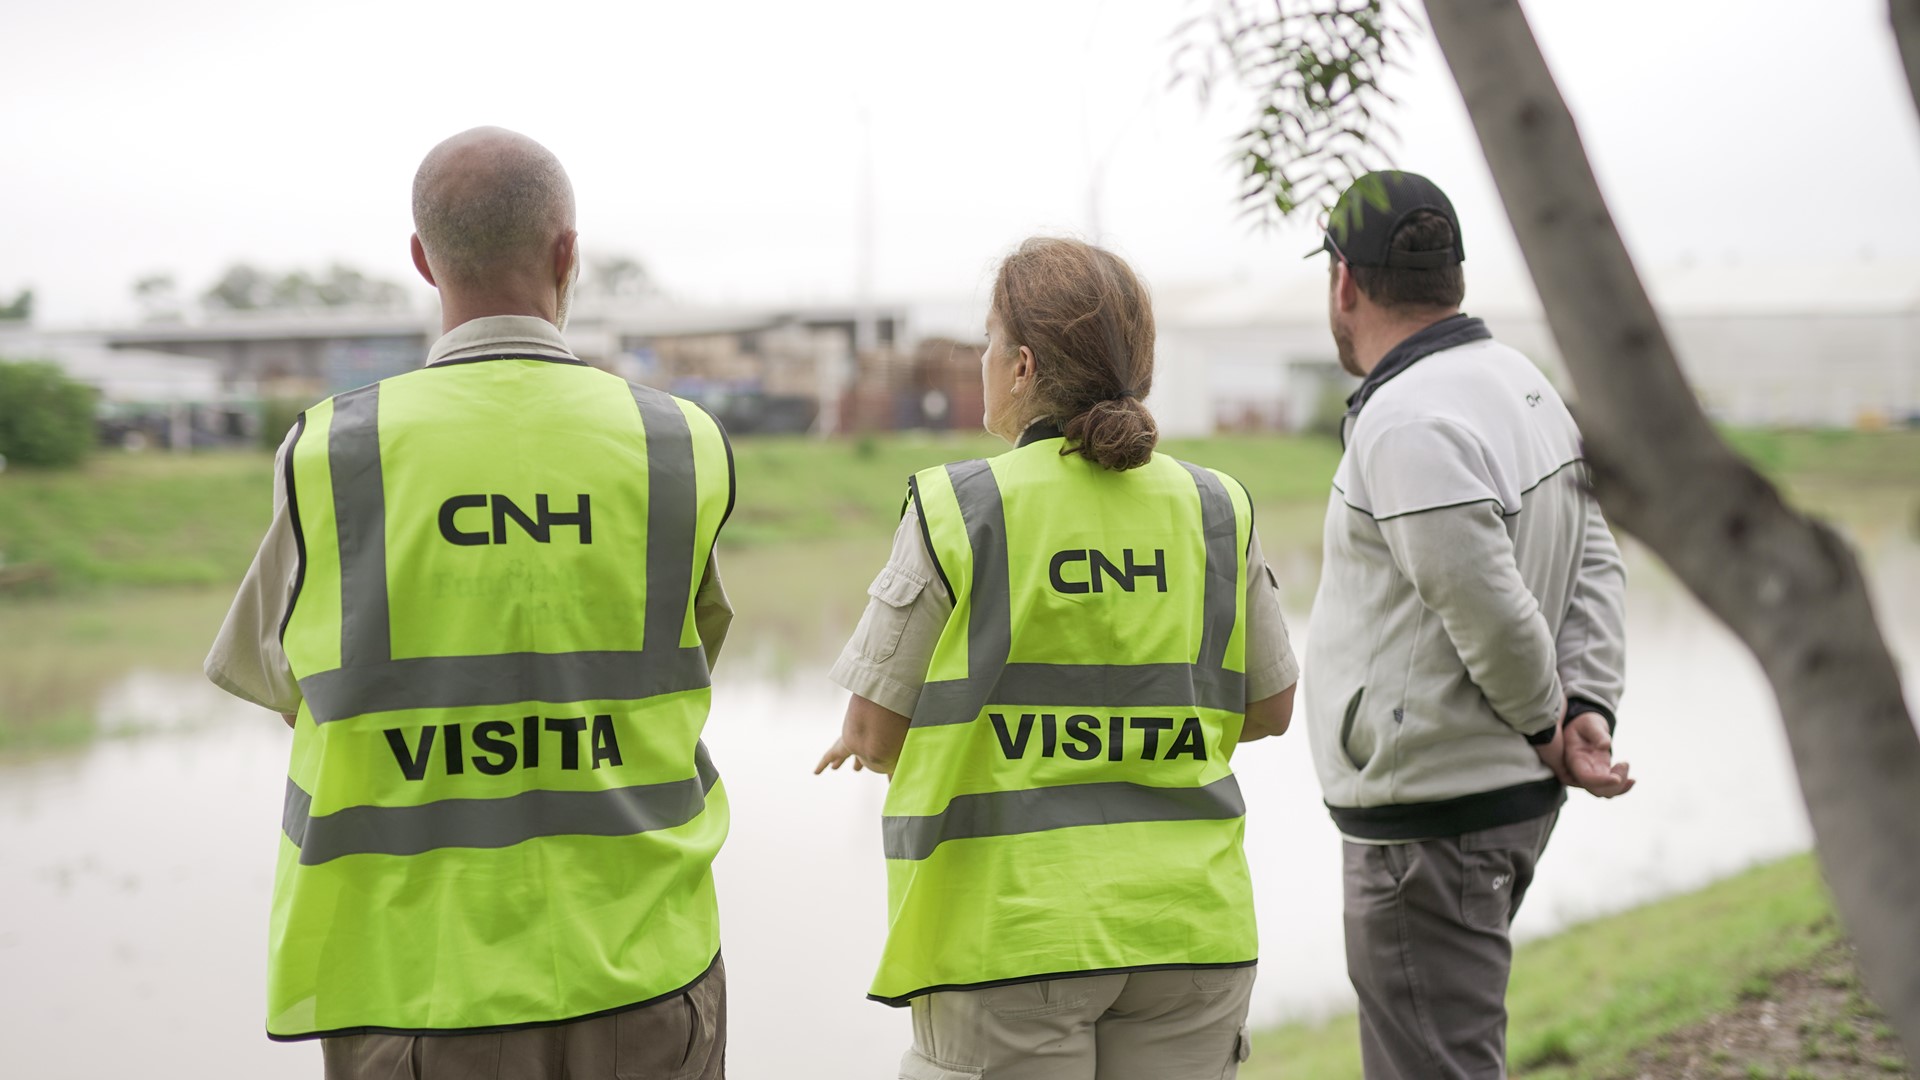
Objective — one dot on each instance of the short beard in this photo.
(1343, 348)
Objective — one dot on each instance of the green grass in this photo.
(60, 657)
(134, 519)
(158, 519)
(798, 488)
(1582, 1002)
(1832, 458)
(795, 488)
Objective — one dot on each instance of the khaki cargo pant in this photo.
(681, 1038)
(1185, 1024)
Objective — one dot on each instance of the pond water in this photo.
(135, 870)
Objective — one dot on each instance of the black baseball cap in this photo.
(1362, 224)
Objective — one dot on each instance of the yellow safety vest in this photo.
(1064, 802)
(498, 809)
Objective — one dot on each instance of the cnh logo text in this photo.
(1100, 566)
(539, 526)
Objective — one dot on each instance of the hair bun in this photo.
(1118, 433)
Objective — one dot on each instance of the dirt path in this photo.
(1813, 1023)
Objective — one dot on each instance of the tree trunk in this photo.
(1786, 584)
(1905, 15)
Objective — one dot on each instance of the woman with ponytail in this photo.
(1055, 667)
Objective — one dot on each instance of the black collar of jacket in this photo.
(1452, 331)
(1038, 430)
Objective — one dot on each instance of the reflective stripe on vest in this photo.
(1206, 681)
(494, 823)
(369, 677)
(498, 811)
(1063, 803)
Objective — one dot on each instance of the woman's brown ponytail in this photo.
(1089, 323)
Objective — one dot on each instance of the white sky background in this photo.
(721, 143)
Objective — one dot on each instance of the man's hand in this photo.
(836, 756)
(1588, 757)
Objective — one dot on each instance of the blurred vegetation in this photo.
(128, 519)
(276, 419)
(795, 487)
(1833, 458)
(246, 287)
(1330, 411)
(18, 309)
(46, 418)
(138, 519)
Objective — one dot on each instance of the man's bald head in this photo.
(489, 202)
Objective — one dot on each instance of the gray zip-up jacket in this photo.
(1470, 586)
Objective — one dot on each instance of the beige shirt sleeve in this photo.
(248, 661)
(1271, 666)
(712, 611)
(887, 658)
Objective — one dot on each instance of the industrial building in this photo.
(1819, 347)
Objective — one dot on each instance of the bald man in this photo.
(487, 605)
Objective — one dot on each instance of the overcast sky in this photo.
(722, 143)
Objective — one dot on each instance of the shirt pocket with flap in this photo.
(894, 593)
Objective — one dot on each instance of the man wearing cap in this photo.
(1467, 643)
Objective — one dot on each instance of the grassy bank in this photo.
(1748, 978)
(137, 519)
(1832, 459)
(807, 489)
(163, 520)
(61, 660)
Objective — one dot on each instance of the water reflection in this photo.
(134, 878)
(135, 873)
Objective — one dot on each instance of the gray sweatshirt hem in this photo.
(1451, 817)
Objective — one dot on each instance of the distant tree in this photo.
(158, 295)
(19, 309)
(1785, 583)
(344, 286)
(245, 287)
(618, 277)
(292, 291)
(45, 417)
